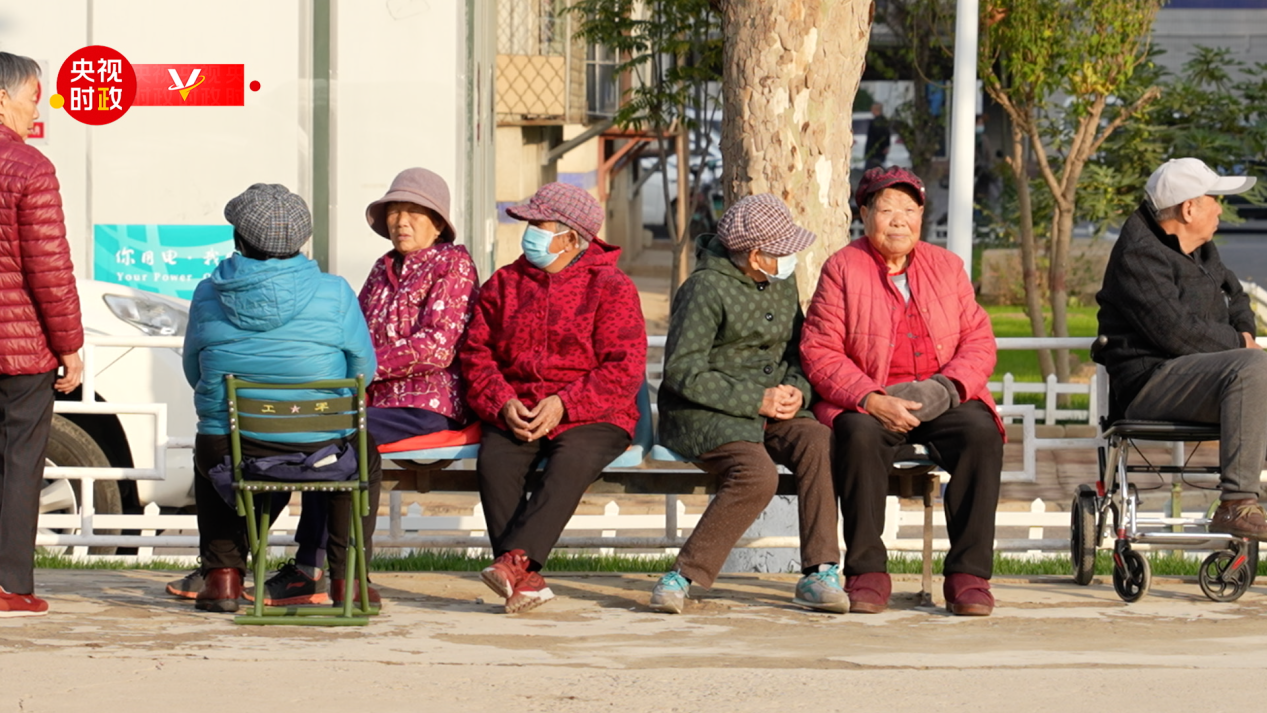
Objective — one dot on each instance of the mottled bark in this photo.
(792, 69)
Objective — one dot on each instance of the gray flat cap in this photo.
(270, 219)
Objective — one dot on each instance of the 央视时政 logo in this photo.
(97, 85)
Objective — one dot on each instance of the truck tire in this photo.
(69, 445)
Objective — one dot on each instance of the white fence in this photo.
(411, 528)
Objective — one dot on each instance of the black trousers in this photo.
(26, 416)
(222, 534)
(533, 524)
(964, 441)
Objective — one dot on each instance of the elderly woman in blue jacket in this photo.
(267, 314)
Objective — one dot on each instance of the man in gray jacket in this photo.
(1181, 332)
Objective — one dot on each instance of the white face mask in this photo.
(786, 266)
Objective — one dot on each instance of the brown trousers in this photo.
(748, 479)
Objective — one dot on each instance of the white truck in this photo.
(342, 96)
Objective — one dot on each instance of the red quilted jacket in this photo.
(39, 307)
(849, 334)
(578, 333)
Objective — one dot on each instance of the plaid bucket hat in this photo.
(420, 187)
(567, 204)
(762, 222)
(271, 219)
(877, 179)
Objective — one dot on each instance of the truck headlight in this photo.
(155, 318)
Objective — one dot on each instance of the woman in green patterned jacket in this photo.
(735, 401)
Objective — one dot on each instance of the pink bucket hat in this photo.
(418, 186)
(762, 222)
(567, 204)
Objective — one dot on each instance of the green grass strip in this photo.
(1163, 563)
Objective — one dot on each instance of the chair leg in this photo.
(360, 502)
(259, 555)
(926, 579)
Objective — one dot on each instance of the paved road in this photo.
(114, 644)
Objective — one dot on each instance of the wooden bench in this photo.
(913, 476)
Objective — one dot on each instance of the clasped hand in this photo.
(529, 424)
(893, 413)
(781, 402)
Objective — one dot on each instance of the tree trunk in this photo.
(682, 237)
(791, 69)
(1061, 238)
(1029, 248)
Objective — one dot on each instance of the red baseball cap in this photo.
(877, 179)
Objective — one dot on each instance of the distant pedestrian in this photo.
(40, 328)
(879, 136)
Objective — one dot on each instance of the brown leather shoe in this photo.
(1243, 518)
(868, 592)
(221, 590)
(967, 595)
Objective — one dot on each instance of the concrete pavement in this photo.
(115, 643)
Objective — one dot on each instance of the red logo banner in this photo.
(190, 84)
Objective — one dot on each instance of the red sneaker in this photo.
(530, 593)
(21, 605)
(336, 593)
(505, 572)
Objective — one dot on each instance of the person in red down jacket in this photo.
(554, 357)
(40, 327)
(899, 351)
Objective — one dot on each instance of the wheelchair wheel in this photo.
(1132, 577)
(1252, 562)
(1224, 575)
(1083, 535)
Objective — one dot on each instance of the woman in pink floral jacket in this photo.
(417, 300)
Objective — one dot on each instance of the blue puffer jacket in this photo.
(280, 321)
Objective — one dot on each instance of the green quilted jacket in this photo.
(730, 339)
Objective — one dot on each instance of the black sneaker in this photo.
(188, 586)
(292, 586)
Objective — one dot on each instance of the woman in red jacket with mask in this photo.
(554, 357)
(40, 327)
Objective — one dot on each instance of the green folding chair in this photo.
(261, 416)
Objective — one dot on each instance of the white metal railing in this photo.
(82, 529)
(410, 528)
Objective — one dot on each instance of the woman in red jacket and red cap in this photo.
(554, 357)
(899, 351)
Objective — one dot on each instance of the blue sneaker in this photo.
(821, 590)
(669, 595)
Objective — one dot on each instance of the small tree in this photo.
(1215, 109)
(1032, 53)
(671, 51)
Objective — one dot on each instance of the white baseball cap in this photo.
(1182, 179)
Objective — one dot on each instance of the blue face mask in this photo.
(787, 265)
(536, 246)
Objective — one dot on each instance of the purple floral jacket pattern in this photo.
(417, 309)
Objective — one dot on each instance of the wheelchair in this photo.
(1110, 508)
